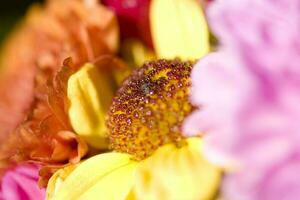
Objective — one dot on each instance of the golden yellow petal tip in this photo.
(179, 29)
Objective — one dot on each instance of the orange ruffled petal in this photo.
(48, 35)
(33, 110)
(47, 136)
(32, 56)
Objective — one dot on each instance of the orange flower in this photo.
(80, 30)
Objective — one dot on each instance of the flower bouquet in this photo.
(151, 100)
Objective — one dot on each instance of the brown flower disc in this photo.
(149, 108)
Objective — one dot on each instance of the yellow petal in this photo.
(89, 93)
(136, 53)
(105, 176)
(179, 29)
(177, 173)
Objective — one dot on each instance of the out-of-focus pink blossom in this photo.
(258, 31)
(133, 16)
(21, 183)
(248, 96)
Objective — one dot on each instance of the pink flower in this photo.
(248, 96)
(133, 17)
(21, 183)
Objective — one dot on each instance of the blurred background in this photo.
(10, 12)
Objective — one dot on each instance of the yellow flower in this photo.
(150, 159)
(178, 29)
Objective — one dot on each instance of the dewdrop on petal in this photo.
(149, 108)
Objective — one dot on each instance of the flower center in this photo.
(149, 108)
